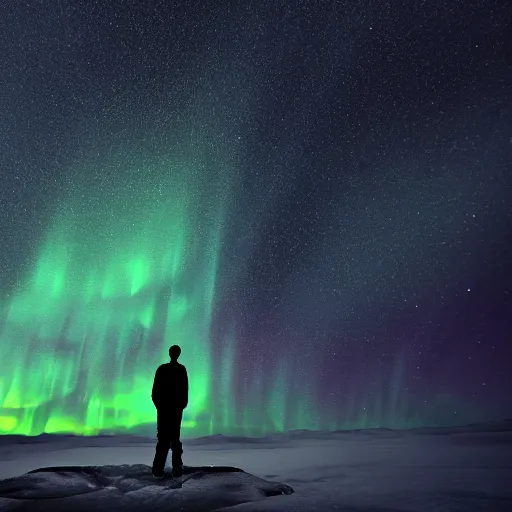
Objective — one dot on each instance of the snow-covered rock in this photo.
(133, 488)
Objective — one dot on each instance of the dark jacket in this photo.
(170, 387)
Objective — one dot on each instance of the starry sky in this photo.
(311, 197)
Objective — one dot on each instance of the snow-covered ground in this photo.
(464, 469)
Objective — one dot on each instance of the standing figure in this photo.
(170, 396)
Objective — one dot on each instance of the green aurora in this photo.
(123, 274)
(114, 284)
(131, 264)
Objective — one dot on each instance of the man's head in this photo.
(174, 352)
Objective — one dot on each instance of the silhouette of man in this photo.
(170, 396)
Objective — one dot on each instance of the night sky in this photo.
(312, 198)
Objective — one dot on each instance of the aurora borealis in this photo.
(312, 200)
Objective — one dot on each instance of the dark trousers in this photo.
(168, 434)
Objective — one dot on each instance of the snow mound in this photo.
(132, 487)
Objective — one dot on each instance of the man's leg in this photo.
(176, 446)
(163, 444)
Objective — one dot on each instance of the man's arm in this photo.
(185, 388)
(157, 390)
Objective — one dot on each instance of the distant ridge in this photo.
(492, 426)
